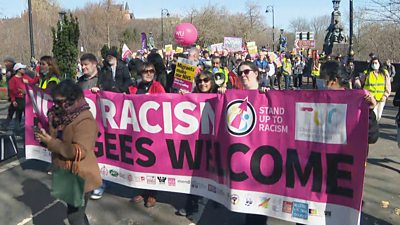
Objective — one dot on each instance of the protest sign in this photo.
(179, 50)
(233, 44)
(251, 43)
(168, 49)
(252, 50)
(217, 48)
(184, 74)
(300, 160)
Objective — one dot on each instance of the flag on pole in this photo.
(125, 52)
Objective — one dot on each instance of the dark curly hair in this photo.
(68, 89)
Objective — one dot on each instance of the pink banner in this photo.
(295, 155)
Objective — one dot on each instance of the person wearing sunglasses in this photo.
(18, 92)
(147, 85)
(205, 83)
(248, 73)
(72, 125)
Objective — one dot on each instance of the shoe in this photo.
(97, 193)
(151, 202)
(182, 212)
(137, 199)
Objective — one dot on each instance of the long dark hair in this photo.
(156, 59)
(68, 89)
(209, 75)
(333, 70)
(381, 67)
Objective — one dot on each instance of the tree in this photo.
(65, 45)
(385, 11)
(299, 24)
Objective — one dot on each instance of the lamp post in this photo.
(270, 9)
(31, 29)
(61, 15)
(164, 12)
(351, 52)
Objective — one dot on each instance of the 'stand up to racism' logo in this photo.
(240, 117)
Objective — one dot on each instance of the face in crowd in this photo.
(148, 73)
(44, 66)
(204, 83)
(111, 60)
(89, 68)
(248, 74)
(216, 63)
(375, 65)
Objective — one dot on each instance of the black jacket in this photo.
(121, 82)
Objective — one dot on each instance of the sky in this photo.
(285, 10)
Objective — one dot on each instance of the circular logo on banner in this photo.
(240, 117)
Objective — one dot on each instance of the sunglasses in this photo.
(245, 72)
(205, 80)
(59, 101)
(148, 71)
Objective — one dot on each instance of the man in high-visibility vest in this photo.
(287, 71)
(377, 82)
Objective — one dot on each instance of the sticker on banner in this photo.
(249, 201)
(161, 180)
(235, 199)
(264, 203)
(300, 210)
(321, 122)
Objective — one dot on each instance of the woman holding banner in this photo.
(147, 86)
(249, 75)
(71, 139)
(205, 83)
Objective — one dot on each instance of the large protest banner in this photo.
(301, 159)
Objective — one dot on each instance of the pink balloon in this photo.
(185, 34)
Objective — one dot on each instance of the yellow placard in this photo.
(251, 44)
(184, 74)
(252, 50)
(179, 50)
(168, 48)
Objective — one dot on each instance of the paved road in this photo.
(25, 198)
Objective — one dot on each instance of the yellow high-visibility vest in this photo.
(375, 85)
(287, 70)
(43, 83)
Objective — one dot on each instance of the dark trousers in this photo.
(298, 80)
(19, 110)
(11, 111)
(252, 219)
(314, 82)
(77, 216)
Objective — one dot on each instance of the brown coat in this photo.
(83, 131)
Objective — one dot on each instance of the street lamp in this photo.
(31, 29)
(164, 12)
(61, 16)
(270, 9)
(336, 4)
